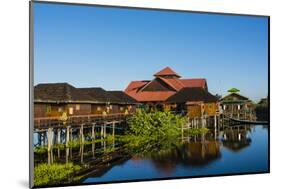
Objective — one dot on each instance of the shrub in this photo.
(45, 174)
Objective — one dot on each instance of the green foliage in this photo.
(233, 90)
(48, 174)
(155, 124)
(40, 149)
(150, 130)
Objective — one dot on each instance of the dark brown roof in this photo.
(58, 93)
(65, 93)
(234, 96)
(123, 97)
(100, 95)
(192, 95)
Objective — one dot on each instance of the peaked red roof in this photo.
(149, 91)
(194, 83)
(167, 72)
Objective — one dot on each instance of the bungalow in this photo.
(237, 106)
(196, 102)
(52, 99)
(165, 84)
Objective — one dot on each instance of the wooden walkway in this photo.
(43, 123)
(51, 130)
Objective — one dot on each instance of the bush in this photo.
(45, 174)
(152, 130)
(155, 124)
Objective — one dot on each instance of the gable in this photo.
(234, 97)
(157, 85)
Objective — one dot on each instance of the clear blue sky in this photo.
(109, 47)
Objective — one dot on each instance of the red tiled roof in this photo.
(135, 88)
(150, 96)
(194, 82)
(174, 83)
(135, 85)
(166, 71)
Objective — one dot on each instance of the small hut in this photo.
(235, 105)
(194, 102)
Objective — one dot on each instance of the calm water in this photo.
(241, 149)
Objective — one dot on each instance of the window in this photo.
(70, 110)
(77, 107)
(48, 108)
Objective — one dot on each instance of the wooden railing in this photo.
(75, 120)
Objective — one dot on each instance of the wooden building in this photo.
(165, 84)
(234, 105)
(54, 99)
(194, 102)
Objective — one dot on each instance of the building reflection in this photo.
(197, 152)
(236, 138)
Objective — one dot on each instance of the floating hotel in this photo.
(168, 91)
(52, 99)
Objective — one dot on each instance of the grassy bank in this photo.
(45, 174)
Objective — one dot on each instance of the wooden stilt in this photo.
(93, 149)
(93, 131)
(71, 133)
(66, 155)
(82, 133)
(101, 131)
(82, 153)
(50, 139)
(104, 131)
(58, 136)
(67, 135)
(215, 120)
(113, 129)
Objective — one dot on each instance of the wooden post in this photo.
(93, 149)
(101, 131)
(82, 153)
(232, 110)
(67, 135)
(50, 139)
(58, 141)
(71, 134)
(82, 133)
(67, 154)
(215, 119)
(43, 138)
(104, 130)
(113, 129)
(93, 131)
(58, 136)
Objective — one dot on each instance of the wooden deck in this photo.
(77, 120)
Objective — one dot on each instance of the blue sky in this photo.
(109, 47)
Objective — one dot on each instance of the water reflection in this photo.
(236, 138)
(234, 149)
